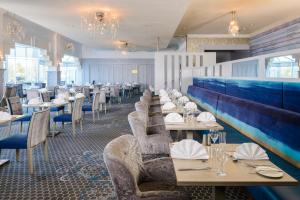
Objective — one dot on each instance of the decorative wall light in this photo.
(134, 71)
(233, 27)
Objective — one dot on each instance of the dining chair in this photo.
(102, 100)
(37, 134)
(32, 93)
(15, 108)
(115, 94)
(86, 92)
(94, 107)
(47, 98)
(134, 179)
(153, 139)
(74, 117)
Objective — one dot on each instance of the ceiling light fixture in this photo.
(233, 27)
(99, 23)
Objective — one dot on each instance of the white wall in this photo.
(167, 71)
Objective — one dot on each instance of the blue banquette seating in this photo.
(267, 112)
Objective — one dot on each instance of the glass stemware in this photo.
(222, 157)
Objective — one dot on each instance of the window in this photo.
(283, 67)
(27, 64)
(70, 70)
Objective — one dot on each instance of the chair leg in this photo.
(73, 128)
(81, 125)
(29, 155)
(18, 155)
(105, 108)
(21, 127)
(46, 150)
(63, 125)
(93, 116)
(98, 114)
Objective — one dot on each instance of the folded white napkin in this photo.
(177, 94)
(168, 106)
(174, 118)
(174, 91)
(63, 96)
(35, 101)
(165, 99)
(188, 149)
(250, 151)
(183, 99)
(206, 117)
(190, 106)
(72, 90)
(79, 95)
(71, 98)
(92, 87)
(59, 101)
(4, 116)
(43, 90)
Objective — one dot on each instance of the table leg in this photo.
(189, 135)
(219, 192)
(204, 140)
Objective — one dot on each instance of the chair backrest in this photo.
(38, 128)
(62, 91)
(86, 91)
(137, 122)
(10, 91)
(123, 159)
(77, 109)
(45, 96)
(14, 105)
(32, 93)
(102, 96)
(78, 89)
(96, 101)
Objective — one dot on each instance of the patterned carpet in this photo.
(76, 169)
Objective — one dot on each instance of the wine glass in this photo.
(214, 135)
(222, 140)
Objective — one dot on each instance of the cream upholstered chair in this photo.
(94, 107)
(154, 142)
(102, 100)
(74, 117)
(154, 116)
(137, 180)
(37, 134)
(32, 93)
(115, 93)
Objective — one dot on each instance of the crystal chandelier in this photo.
(233, 27)
(100, 23)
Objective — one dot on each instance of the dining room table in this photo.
(239, 173)
(189, 126)
(5, 132)
(45, 105)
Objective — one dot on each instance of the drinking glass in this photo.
(213, 136)
(222, 157)
(222, 140)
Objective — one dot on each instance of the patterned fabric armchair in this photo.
(152, 139)
(137, 180)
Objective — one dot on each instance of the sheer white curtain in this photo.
(245, 69)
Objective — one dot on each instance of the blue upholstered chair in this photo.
(38, 131)
(94, 107)
(46, 98)
(15, 108)
(74, 117)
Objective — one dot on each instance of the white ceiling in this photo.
(141, 21)
(213, 16)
